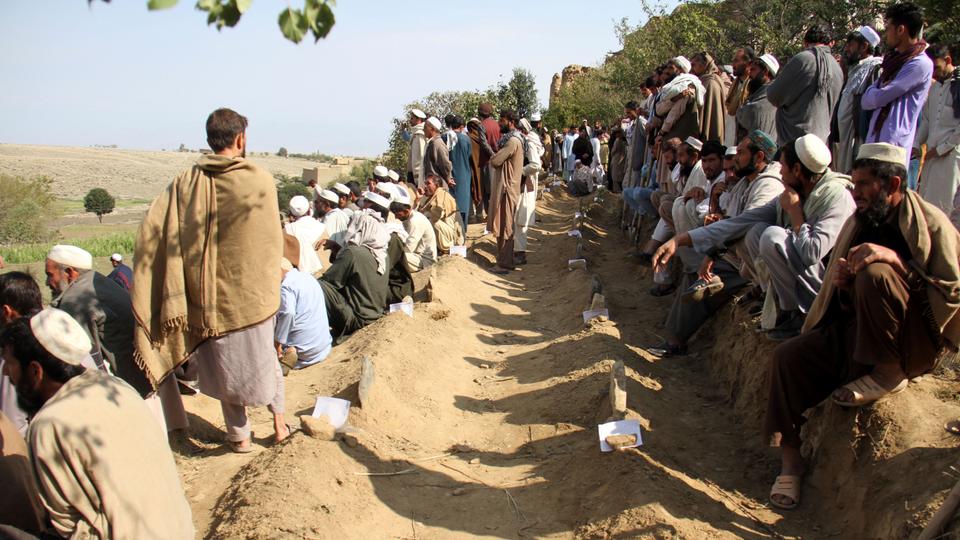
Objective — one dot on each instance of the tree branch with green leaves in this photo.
(314, 18)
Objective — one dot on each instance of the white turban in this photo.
(71, 256)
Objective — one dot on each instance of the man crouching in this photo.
(885, 314)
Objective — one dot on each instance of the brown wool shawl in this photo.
(935, 249)
(207, 261)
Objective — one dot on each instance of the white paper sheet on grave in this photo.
(574, 232)
(577, 263)
(458, 250)
(594, 313)
(620, 427)
(335, 409)
(403, 307)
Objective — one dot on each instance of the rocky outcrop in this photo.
(565, 78)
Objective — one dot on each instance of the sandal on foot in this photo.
(237, 449)
(866, 390)
(701, 290)
(666, 350)
(786, 486)
(953, 427)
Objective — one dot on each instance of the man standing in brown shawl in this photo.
(886, 313)
(196, 292)
(716, 83)
(739, 91)
(507, 166)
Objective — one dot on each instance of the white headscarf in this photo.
(366, 229)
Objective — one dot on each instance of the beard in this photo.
(875, 214)
(743, 172)
(685, 170)
(28, 399)
(755, 84)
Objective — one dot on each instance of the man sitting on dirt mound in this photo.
(302, 332)
(887, 313)
(759, 186)
(439, 206)
(355, 285)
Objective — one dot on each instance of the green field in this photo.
(98, 246)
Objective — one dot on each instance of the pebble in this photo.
(457, 492)
(318, 428)
(474, 461)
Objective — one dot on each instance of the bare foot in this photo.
(280, 428)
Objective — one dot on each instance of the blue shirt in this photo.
(302, 319)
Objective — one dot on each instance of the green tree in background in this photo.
(26, 209)
(315, 17)
(520, 93)
(98, 201)
(289, 187)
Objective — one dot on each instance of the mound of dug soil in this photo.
(481, 422)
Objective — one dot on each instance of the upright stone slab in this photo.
(367, 377)
(618, 390)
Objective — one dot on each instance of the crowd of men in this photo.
(94, 380)
(794, 189)
(797, 190)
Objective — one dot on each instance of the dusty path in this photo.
(483, 419)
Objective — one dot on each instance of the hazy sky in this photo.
(115, 73)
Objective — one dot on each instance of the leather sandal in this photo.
(786, 486)
(866, 390)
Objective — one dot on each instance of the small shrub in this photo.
(99, 202)
(282, 152)
(26, 209)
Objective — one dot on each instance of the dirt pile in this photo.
(481, 422)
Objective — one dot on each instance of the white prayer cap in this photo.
(299, 206)
(388, 190)
(869, 34)
(341, 188)
(61, 336)
(116, 257)
(682, 62)
(418, 113)
(71, 256)
(694, 143)
(883, 152)
(525, 125)
(731, 151)
(329, 196)
(380, 171)
(728, 69)
(377, 199)
(394, 175)
(435, 122)
(773, 65)
(403, 197)
(535, 117)
(813, 153)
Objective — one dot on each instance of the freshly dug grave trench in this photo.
(481, 422)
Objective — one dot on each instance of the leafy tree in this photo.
(520, 93)
(315, 17)
(99, 202)
(290, 187)
(282, 152)
(26, 209)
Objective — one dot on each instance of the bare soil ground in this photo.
(482, 423)
(126, 174)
